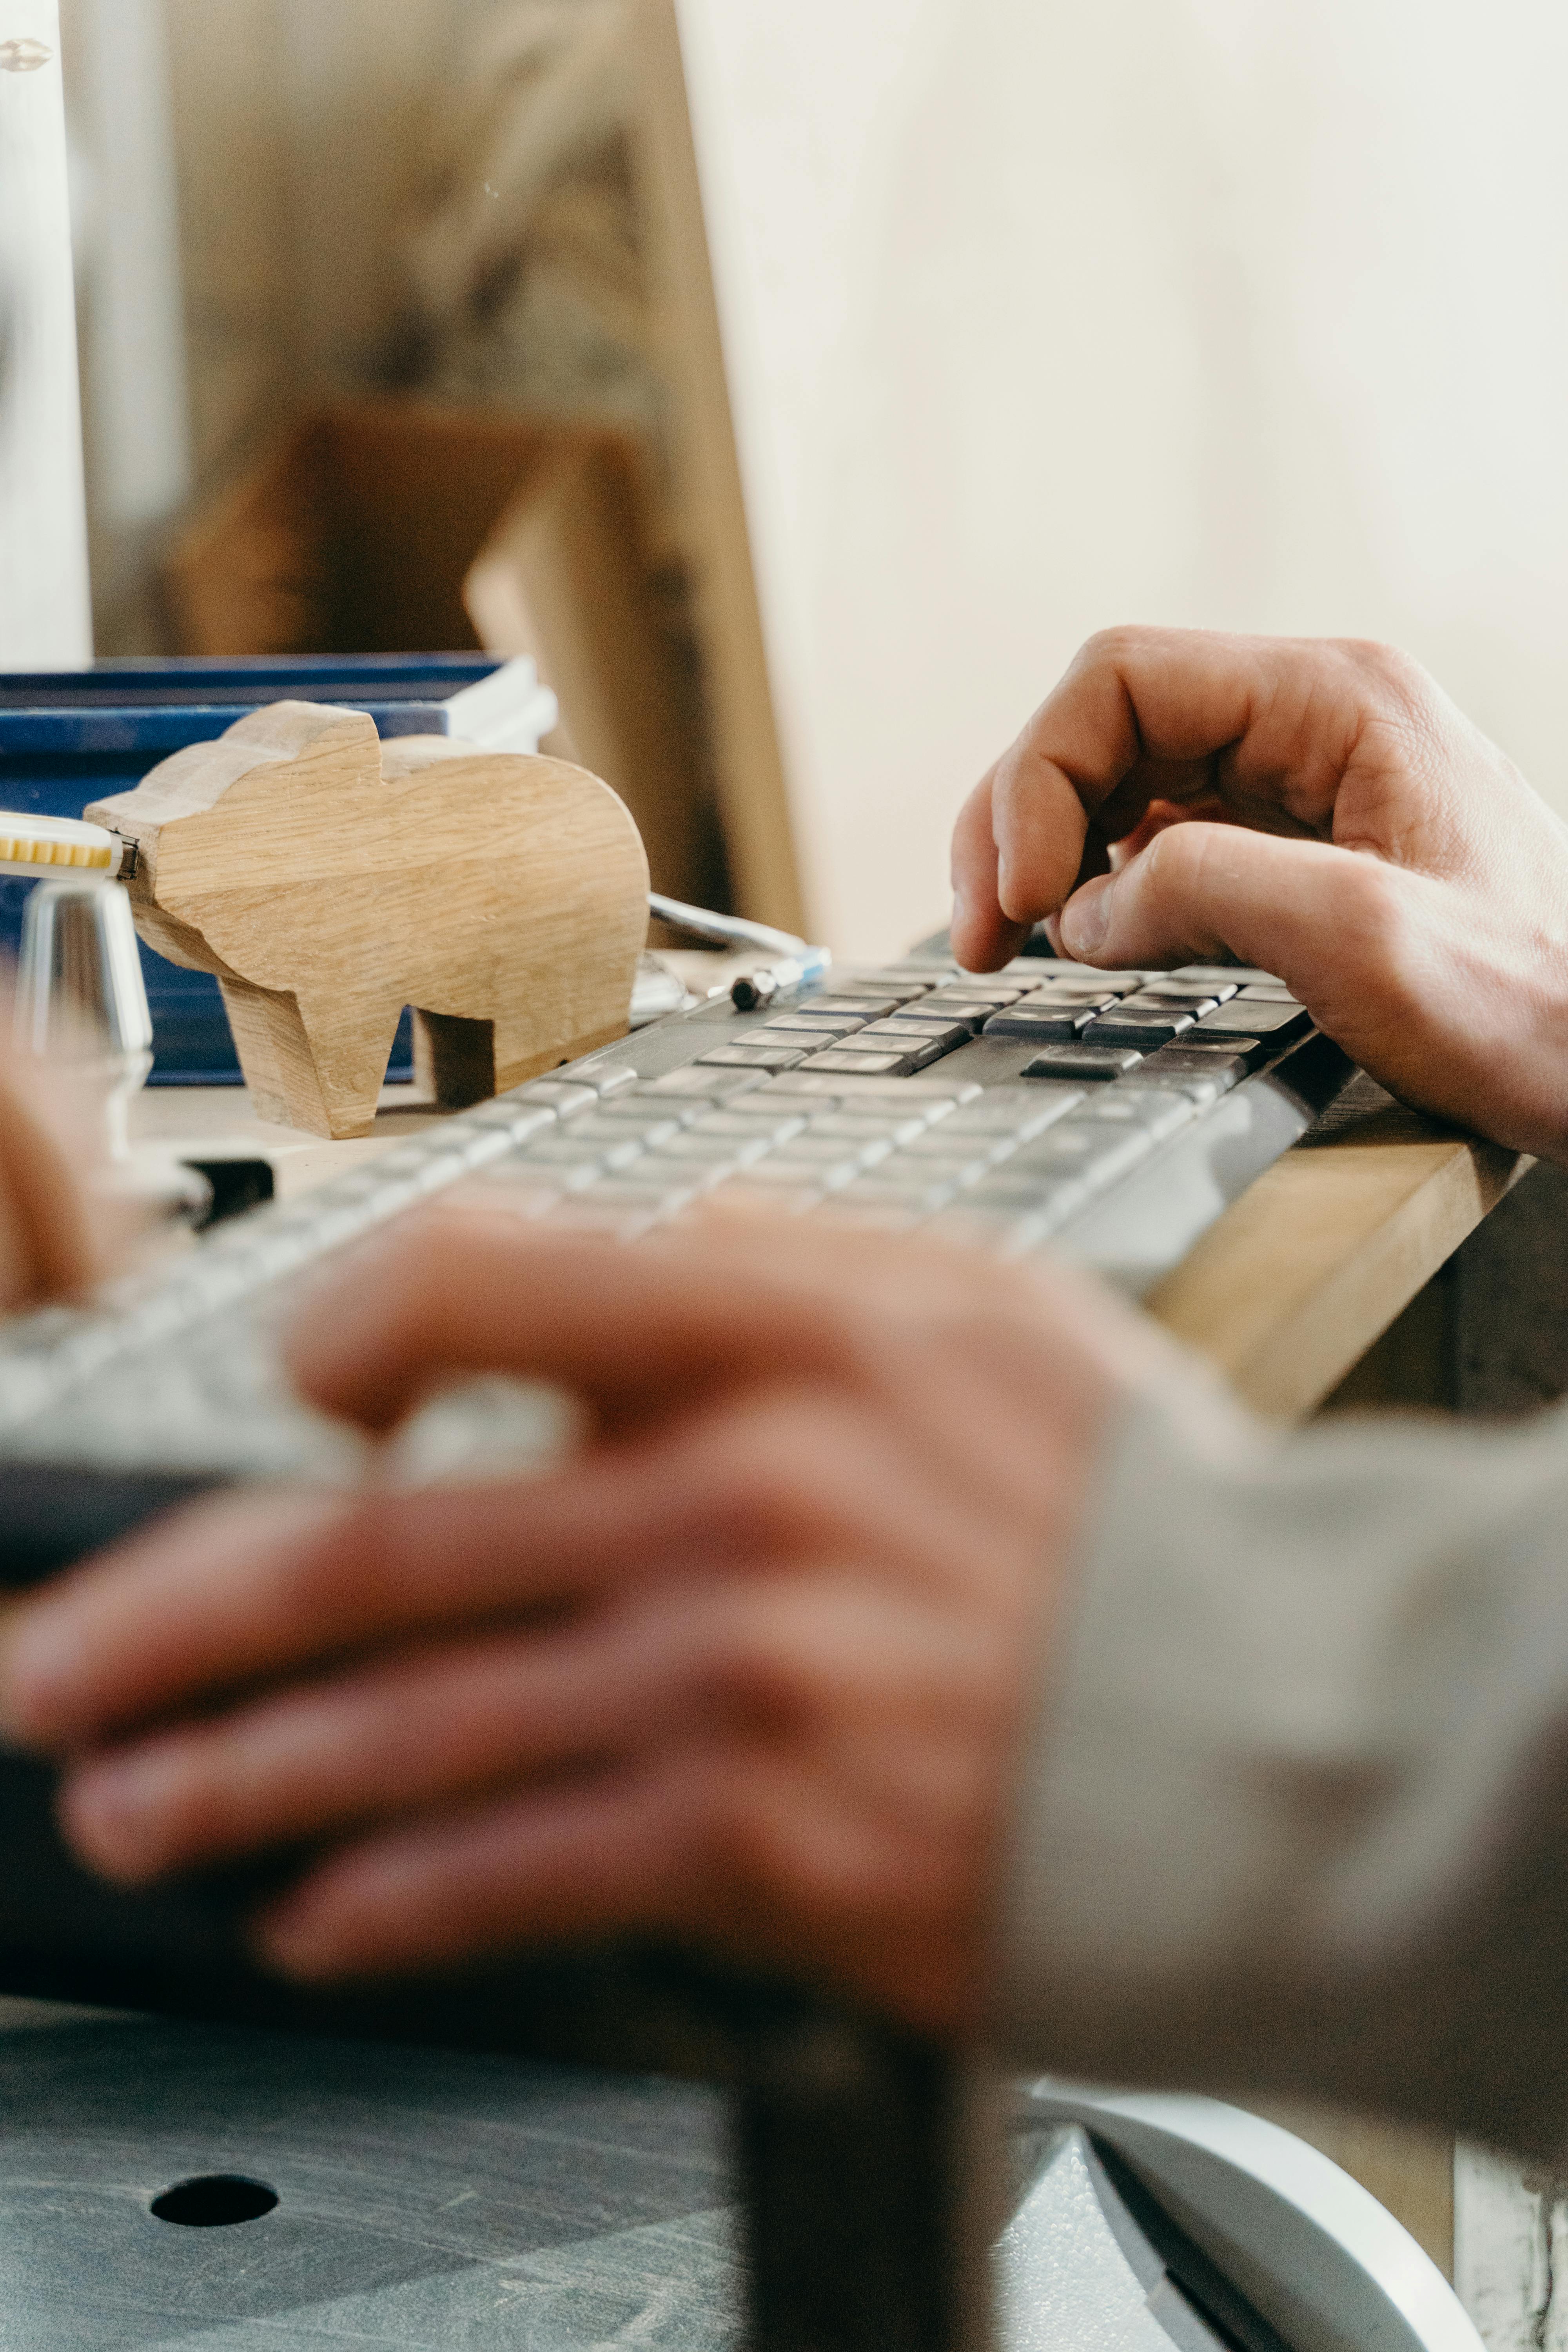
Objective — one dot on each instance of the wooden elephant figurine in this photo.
(329, 880)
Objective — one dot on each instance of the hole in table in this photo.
(215, 2201)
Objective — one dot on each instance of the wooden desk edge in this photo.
(1289, 1289)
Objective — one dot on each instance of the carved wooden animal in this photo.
(329, 880)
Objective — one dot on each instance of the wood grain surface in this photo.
(1289, 1289)
(329, 883)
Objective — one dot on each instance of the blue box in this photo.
(69, 737)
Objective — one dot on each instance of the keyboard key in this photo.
(1126, 1026)
(780, 1056)
(914, 1194)
(595, 1128)
(868, 1007)
(1056, 1026)
(1196, 1000)
(929, 1038)
(1240, 1018)
(1273, 992)
(1087, 1061)
(695, 1080)
(1088, 991)
(570, 1164)
(1202, 1072)
(829, 1171)
(611, 1079)
(1234, 975)
(870, 1064)
(1052, 1202)
(864, 1084)
(565, 1099)
(847, 1127)
(518, 1120)
(764, 1119)
(1159, 1109)
(695, 1146)
(640, 1109)
(820, 1025)
(1021, 1112)
(1047, 973)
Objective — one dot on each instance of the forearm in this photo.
(1296, 1816)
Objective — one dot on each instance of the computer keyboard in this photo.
(1107, 1115)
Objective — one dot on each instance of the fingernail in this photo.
(1086, 919)
(40, 1658)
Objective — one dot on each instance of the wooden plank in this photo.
(750, 780)
(1289, 1289)
(45, 617)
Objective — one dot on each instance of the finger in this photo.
(595, 1859)
(758, 1861)
(216, 1600)
(980, 934)
(1268, 725)
(47, 1245)
(789, 1659)
(463, 1290)
(387, 1738)
(1202, 891)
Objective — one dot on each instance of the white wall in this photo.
(1042, 316)
(44, 616)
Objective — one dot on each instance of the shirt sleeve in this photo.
(1294, 1816)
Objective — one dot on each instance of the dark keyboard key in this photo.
(758, 1057)
(1081, 1062)
(814, 1025)
(1174, 1065)
(870, 1006)
(1242, 1019)
(1126, 1026)
(1051, 1027)
(931, 1037)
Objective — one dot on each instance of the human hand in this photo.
(751, 1672)
(1317, 808)
(51, 1240)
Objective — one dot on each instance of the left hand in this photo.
(751, 1672)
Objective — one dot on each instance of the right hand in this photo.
(1321, 808)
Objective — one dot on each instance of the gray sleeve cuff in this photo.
(1296, 1811)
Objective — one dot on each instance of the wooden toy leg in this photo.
(301, 1068)
(454, 1059)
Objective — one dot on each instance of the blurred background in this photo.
(1034, 318)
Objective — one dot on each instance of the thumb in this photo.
(1196, 891)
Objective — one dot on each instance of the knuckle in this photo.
(1395, 678)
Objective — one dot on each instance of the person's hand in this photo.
(750, 1671)
(1319, 809)
(51, 1240)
